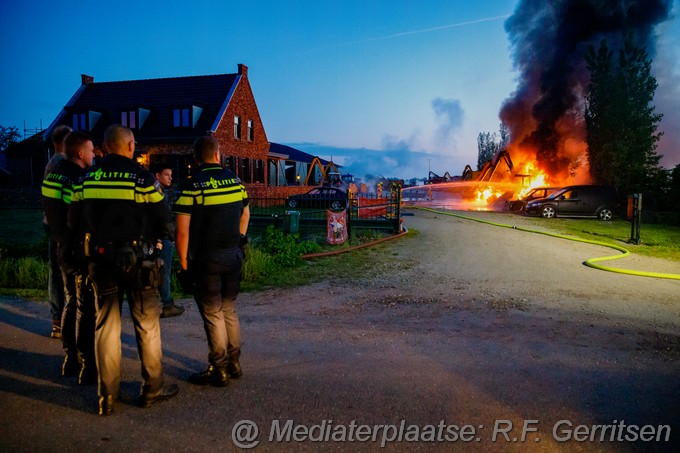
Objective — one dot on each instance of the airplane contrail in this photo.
(413, 32)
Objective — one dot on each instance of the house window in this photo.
(250, 130)
(79, 122)
(244, 172)
(229, 162)
(258, 171)
(180, 118)
(237, 127)
(129, 119)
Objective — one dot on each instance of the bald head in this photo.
(119, 140)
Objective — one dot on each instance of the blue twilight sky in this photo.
(384, 86)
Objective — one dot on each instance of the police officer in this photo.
(55, 286)
(212, 221)
(125, 218)
(57, 190)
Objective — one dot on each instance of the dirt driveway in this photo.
(476, 338)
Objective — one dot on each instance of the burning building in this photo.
(545, 114)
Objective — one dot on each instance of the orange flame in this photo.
(485, 196)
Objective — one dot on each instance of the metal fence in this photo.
(364, 212)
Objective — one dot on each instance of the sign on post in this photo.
(336, 227)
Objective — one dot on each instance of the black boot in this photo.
(88, 373)
(234, 367)
(167, 392)
(70, 367)
(215, 376)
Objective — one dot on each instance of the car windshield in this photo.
(556, 194)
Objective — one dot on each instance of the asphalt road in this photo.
(475, 338)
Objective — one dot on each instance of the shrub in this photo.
(26, 272)
(257, 265)
(286, 249)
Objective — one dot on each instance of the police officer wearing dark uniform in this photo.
(125, 219)
(77, 322)
(212, 221)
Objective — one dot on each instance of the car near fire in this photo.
(319, 198)
(597, 201)
(520, 203)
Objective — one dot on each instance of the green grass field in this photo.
(22, 233)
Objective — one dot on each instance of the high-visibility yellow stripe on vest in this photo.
(222, 196)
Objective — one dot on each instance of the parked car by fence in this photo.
(320, 198)
(578, 201)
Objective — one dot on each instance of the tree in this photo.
(674, 190)
(8, 135)
(486, 148)
(504, 133)
(620, 120)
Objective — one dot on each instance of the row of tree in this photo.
(621, 126)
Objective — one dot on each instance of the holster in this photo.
(150, 273)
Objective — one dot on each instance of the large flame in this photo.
(486, 195)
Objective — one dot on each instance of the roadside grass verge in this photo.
(659, 241)
(273, 259)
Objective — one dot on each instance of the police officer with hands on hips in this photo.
(211, 225)
(125, 220)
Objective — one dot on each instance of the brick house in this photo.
(168, 114)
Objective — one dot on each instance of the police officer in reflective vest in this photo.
(125, 219)
(77, 321)
(212, 221)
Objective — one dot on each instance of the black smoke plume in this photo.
(549, 39)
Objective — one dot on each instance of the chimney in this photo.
(243, 70)
(85, 79)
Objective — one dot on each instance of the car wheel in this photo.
(605, 214)
(548, 212)
(336, 205)
(292, 203)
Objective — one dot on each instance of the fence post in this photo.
(397, 217)
(348, 210)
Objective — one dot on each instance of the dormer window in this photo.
(237, 127)
(85, 121)
(129, 119)
(79, 122)
(180, 117)
(186, 116)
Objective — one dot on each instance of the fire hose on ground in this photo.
(590, 262)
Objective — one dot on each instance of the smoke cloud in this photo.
(549, 41)
(449, 115)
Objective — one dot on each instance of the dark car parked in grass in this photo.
(577, 201)
(521, 203)
(319, 198)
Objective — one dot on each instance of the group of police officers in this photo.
(108, 222)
